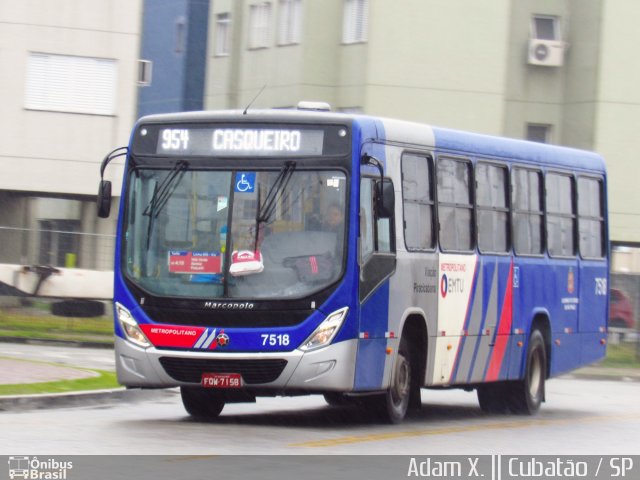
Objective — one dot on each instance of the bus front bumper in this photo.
(331, 368)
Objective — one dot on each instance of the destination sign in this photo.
(240, 141)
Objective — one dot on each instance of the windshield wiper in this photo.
(162, 193)
(264, 212)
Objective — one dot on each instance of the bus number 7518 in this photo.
(273, 339)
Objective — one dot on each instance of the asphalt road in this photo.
(580, 417)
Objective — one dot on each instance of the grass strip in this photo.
(21, 322)
(104, 380)
(56, 328)
(63, 336)
(623, 355)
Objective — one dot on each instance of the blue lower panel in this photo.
(565, 356)
(517, 354)
(370, 364)
(593, 347)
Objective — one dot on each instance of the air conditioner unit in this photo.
(548, 53)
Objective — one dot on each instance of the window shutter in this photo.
(71, 84)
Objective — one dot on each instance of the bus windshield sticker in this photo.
(182, 261)
(245, 182)
(246, 262)
(223, 202)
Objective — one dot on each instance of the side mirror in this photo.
(385, 199)
(104, 199)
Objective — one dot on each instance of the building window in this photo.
(544, 27)
(181, 35)
(561, 216)
(290, 22)
(145, 69)
(418, 203)
(223, 35)
(259, 18)
(527, 211)
(591, 217)
(355, 21)
(63, 83)
(455, 207)
(492, 183)
(540, 133)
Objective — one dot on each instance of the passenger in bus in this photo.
(333, 219)
(334, 223)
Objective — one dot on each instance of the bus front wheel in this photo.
(392, 406)
(202, 403)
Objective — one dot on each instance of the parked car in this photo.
(620, 310)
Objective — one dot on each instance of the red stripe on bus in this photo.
(504, 329)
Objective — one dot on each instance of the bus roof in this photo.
(409, 133)
(488, 146)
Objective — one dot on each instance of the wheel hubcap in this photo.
(535, 376)
(400, 389)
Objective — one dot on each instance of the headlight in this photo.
(130, 327)
(326, 331)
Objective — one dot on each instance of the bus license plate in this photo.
(221, 380)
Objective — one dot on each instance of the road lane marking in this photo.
(376, 437)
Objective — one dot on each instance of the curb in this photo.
(612, 377)
(16, 403)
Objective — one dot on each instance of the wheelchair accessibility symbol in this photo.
(245, 182)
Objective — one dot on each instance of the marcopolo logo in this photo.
(38, 469)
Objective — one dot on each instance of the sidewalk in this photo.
(14, 371)
(19, 371)
(595, 372)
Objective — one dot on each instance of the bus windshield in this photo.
(234, 234)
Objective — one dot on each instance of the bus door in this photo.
(593, 267)
(529, 262)
(377, 262)
(562, 279)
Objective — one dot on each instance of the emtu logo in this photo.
(444, 286)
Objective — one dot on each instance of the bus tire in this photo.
(202, 403)
(492, 397)
(392, 406)
(527, 395)
(337, 399)
(78, 308)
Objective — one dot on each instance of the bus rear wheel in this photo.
(492, 397)
(202, 403)
(527, 395)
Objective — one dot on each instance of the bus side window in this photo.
(366, 219)
(527, 211)
(375, 233)
(561, 217)
(455, 204)
(383, 232)
(591, 218)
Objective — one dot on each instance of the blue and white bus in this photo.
(268, 253)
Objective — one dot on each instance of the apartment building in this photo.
(558, 71)
(68, 88)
